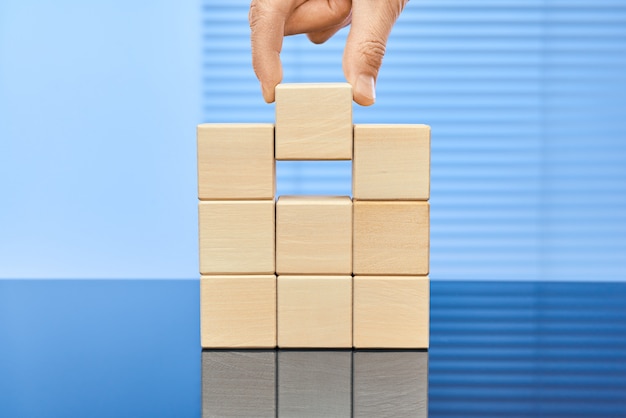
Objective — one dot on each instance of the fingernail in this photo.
(366, 88)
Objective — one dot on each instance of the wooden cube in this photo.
(391, 162)
(236, 161)
(314, 311)
(390, 383)
(238, 311)
(391, 312)
(237, 237)
(314, 235)
(391, 238)
(239, 383)
(314, 121)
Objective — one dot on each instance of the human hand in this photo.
(372, 20)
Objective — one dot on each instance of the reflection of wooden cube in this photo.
(238, 311)
(238, 383)
(314, 311)
(236, 161)
(314, 383)
(237, 237)
(390, 380)
(391, 162)
(391, 312)
(314, 235)
(391, 238)
(314, 121)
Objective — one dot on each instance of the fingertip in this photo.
(270, 74)
(364, 90)
(269, 79)
(269, 94)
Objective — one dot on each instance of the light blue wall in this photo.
(99, 100)
(98, 106)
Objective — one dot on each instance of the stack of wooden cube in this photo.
(314, 272)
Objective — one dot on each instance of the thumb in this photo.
(372, 21)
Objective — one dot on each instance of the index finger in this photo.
(267, 28)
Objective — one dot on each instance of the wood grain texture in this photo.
(391, 162)
(314, 311)
(391, 312)
(314, 384)
(390, 384)
(314, 235)
(391, 238)
(238, 311)
(237, 237)
(314, 121)
(239, 383)
(236, 161)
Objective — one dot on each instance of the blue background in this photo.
(98, 106)
(99, 100)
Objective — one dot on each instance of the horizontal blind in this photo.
(526, 102)
(527, 349)
(584, 141)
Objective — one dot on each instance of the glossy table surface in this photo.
(103, 348)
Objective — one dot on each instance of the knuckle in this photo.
(341, 9)
(253, 14)
(317, 38)
(373, 52)
(257, 12)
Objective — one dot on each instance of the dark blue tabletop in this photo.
(104, 348)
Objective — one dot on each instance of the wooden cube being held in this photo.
(314, 121)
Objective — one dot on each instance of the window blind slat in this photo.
(525, 99)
